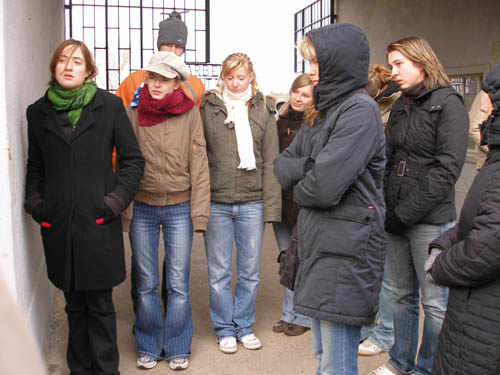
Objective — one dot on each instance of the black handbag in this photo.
(289, 262)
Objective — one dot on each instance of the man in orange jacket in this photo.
(172, 37)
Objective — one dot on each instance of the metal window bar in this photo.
(317, 14)
(122, 34)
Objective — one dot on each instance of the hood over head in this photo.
(490, 128)
(491, 85)
(343, 58)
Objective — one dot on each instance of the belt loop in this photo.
(401, 168)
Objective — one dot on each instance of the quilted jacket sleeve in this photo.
(475, 260)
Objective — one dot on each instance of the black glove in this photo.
(394, 225)
(108, 215)
(37, 212)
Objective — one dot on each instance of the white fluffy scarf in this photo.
(237, 113)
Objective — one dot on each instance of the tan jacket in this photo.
(476, 118)
(176, 169)
(385, 105)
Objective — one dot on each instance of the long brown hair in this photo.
(236, 61)
(87, 56)
(418, 50)
(310, 113)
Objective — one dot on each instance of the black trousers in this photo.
(92, 345)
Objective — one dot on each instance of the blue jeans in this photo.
(152, 334)
(335, 346)
(407, 254)
(381, 332)
(244, 223)
(283, 233)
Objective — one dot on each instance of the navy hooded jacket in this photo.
(335, 169)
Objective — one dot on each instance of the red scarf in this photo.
(154, 111)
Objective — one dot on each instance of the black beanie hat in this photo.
(491, 84)
(172, 30)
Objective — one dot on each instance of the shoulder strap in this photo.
(188, 86)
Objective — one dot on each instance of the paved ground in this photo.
(280, 354)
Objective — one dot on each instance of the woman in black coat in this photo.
(469, 263)
(73, 193)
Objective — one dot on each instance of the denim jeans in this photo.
(153, 334)
(407, 254)
(243, 223)
(283, 233)
(335, 346)
(381, 332)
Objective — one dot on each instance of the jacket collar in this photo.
(87, 119)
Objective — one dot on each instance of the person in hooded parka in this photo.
(467, 260)
(335, 169)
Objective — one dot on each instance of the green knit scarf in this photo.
(72, 101)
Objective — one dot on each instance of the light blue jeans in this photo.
(151, 333)
(283, 233)
(381, 332)
(243, 223)
(407, 254)
(335, 346)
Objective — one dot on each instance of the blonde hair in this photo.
(306, 49)
(310, 113)
(419, 51)
(236, 61)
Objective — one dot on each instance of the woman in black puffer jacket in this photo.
(469, 263)
(426, 139)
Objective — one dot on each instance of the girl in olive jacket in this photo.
(242, 142)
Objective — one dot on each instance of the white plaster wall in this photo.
(29, 32)
(465, 34)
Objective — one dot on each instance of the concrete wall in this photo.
(465, 34)
(29, 32)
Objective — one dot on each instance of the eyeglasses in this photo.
(156, 77)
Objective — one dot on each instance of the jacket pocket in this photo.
(252, 180)
(345, 232)
(182, 163)
(199, 145)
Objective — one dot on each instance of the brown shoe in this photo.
(280, 327)
(295, 330)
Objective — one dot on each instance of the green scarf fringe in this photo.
(72, 101)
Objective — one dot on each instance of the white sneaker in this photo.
(368, 348)
(228, 345)
(146, 363)
(179, 364)
(250, 342)
(383, 370)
